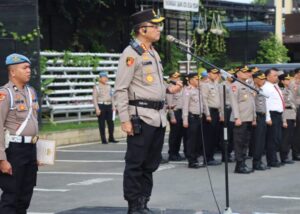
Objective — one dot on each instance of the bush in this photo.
(272, 51)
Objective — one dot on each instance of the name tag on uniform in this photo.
(147, 63)
(46, 151)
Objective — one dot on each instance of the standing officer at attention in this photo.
(103, 102)
(288, 118)
(260, 130)
(244, 117)
(212, 103)
(177, 131)
(295, 87)
(192, 114)
(140, 93)
(18, 135)
(275, 106)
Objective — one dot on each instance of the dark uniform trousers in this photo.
(194, 141)
(106, 115)
(274, 137)
(287, 138)
(212, 133)
(230, 126)
(142, 158)
(242, 136)
(296, 140)
(177, 134)
(259, 137)
(18, 188)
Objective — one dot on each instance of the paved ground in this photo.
(87, 179)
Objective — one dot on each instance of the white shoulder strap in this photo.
(11, 98)
(23, 125)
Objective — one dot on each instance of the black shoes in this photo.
(296, 157)
(242, 168)
(213, 163)
(113, 141)
(287, 161)
(104, 142)
(195, 165)
(260, 167)
(275, 164)
(176, 158)
(163, 161)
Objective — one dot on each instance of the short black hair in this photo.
(268, 71)
(297, 70)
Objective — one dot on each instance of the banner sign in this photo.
(182, 5)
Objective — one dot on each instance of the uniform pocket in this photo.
(21, 112)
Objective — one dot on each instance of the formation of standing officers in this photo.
(258, 124)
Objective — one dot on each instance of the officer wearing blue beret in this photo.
(103, 102)
(18, 137)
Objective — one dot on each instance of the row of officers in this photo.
(258, 123)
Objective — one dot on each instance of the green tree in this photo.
(272, 51)
(260, 2)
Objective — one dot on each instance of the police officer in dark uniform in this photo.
(18, 135)
(140, 94)
(177, 131)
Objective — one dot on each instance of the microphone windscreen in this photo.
(170, 38)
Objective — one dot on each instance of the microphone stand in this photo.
(225, 138)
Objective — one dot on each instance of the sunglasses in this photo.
(160, 26)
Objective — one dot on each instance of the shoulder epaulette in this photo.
(136, 47)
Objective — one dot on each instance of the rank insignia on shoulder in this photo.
(2, 95)
(234, 88)
(129, 61)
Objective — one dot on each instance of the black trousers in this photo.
(177, 134)
(106, 116)
(259, 137)
(230, 126)
(142, 158)
(287, 139)
(274, 137)
(241, 139)
(18, 188)
(296, 139)
(212, 133)
(194, 141)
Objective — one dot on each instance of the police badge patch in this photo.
(2, 96)
(129, 61)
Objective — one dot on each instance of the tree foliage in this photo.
(272, 51)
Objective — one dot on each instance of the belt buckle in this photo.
(34, 139)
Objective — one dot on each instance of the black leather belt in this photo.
(157, 105)
(260, 113)
(289, 107)
(197, 116)
(275, 112)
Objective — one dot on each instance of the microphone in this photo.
(172, 39)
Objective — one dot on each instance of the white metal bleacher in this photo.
(70, 99)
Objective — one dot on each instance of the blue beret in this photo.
(15, 58)
(103, 74)
(204, 74)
